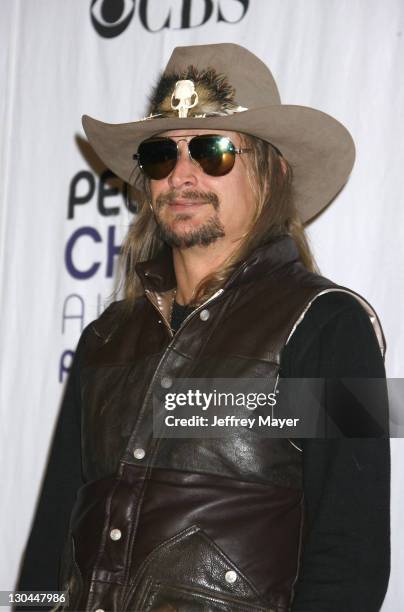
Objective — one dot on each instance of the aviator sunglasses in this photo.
(214, 153)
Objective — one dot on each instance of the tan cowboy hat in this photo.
(229, 88)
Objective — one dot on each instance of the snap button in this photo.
(230, 576)
(139, 453)
(166, 382)
(115, 534)
(204, 314)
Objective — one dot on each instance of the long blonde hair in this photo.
(271, 180)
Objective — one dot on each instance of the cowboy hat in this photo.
(229, 88)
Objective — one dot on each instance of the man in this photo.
(220, 284)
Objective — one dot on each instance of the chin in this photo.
(184, 224)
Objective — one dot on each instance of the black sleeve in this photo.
(346, 554)
(63, 477)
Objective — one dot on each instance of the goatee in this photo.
(204, 235)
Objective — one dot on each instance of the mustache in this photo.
(191, 194)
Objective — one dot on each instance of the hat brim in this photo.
(319, 148)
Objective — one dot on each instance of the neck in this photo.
(192, 265)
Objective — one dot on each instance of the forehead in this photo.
(177, 134)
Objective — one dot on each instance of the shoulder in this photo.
(335, 337)
(332, 305)
(113, 317)
(109, 319)
(99, 332)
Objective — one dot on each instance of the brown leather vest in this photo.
(189, 524)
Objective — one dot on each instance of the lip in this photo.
(181, 204)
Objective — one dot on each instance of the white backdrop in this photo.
(61, 59)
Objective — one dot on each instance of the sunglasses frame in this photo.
(182, 138)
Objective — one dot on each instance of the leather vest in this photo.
(189, 524)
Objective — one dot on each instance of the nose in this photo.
(185, 172)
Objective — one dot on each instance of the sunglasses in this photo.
(214, 153)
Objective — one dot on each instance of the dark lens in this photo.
(214, 153)
(157, 157)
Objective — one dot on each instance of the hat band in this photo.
(224, 113)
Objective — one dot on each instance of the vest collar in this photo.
(157, 275)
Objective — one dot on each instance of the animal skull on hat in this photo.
(186, 96)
